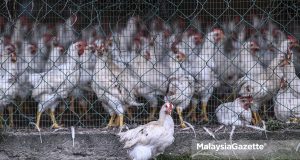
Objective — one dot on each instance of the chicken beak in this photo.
(167, 33)
(169, 110)
(33, 50)
(147, 56)
(14, 57)
(294, 43)
(219, 36)
(246, 107)
(80, 52)
(283, 83)
(256, 48)
(180, 56)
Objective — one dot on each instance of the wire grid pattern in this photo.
(163, 57)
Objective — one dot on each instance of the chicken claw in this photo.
(55, 125)
(204, 112)
(294, 120)
(111, 121)
(179, 111)
(256, 119)
(38, 119)
(129, 113)
(121, 120)
(1, 119)
(192, 113)
(11, 116)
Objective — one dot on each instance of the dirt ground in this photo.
(103, 143)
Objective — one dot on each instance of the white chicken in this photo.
(122, 42)
(235, 113)
(200, 65)
(264, 86)
(224, 62)
(286, 104)
(149, 140)
(83, 89)
(66, 31)
(152, 74)
(289, 69)
(56, 56)
(247, 59)
(47, 91)
(181, 85)
(21, 28)
(106, 86)
(32, 60)
(248, 62)
(292, 78)
(8, 80)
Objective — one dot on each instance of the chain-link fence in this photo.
(100, 63)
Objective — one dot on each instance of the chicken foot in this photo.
(53, 119)
(1, 119)
(294, 120)
(204, 112)
(257, 119)
(192, 113)
(38, 119)
(111, 121)
(72, 106)
(83, 110)
(130, 112)
(116, 121)
(179, 112)
(11, 116)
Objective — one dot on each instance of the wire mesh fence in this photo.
(100, 63)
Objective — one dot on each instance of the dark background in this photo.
(283, 12)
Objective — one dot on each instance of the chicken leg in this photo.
(264, 111)
(204, 111)
(111, 120)
(121, 120)
(257, 118)
(52, 116)
(83, 109)
(179, 112)
(11, 116)
(129, 112)
(38, 119)
(192, 113)
(61, 112)
(294, 120)
(72, 107)
(1, 119)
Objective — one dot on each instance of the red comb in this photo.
(289, 37)
(255, 42)
(217, 29)
(275, 31)
(61, 47)
(237, 19)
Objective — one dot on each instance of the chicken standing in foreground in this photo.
(150, 140)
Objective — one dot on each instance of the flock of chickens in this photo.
(180, 63)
